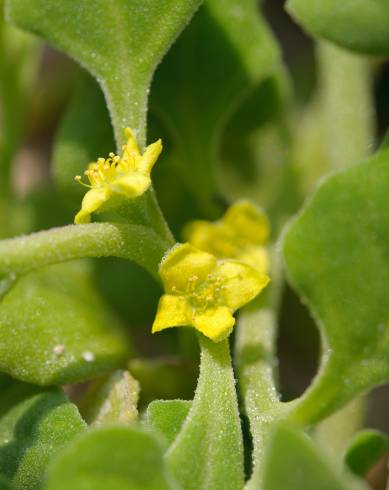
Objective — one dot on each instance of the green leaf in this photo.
(112, 399)
(293, 463)
(366, 448)
(233, 46)
(119, 42)
(85, 133)
(34, 426)
(337, 258)
(255, 162)
(167, 417)
(55, 330)
(117, 458)
(361, 26)
(208, 450)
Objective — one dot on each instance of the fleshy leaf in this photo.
(54, 329)
(34, 425)
(167, 416)
(231, 44)
(362, 27)
(117, 458)
(337, 258)
(293, 463)
(367, 447)
(117, 41)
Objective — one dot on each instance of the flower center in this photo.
(207, 293)
(105, 171)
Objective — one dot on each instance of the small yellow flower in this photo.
(204, 292)
(126, 175)
(240, 234)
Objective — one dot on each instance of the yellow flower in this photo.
(240, 234)
(126, 175)
(204, 292)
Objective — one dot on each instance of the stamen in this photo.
(77, 178)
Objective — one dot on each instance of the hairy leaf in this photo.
(167, 416)
(54, 329)
(293, 463)
(337, 258)
(120, 42)
(117, 458)
(354, 24)
(231, 43)
(34, 425)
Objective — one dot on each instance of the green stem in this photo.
(208, 451)
(157, 219)
(255, 354)
(346, 105)
(348, 117)
(133, 242)
(128, 107)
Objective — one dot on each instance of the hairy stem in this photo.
(138, 243)
(346, 105)
(208, 451)
(255, 357)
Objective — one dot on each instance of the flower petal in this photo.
(92, 201)
(149, 157)
(256, 257)
(173, 311)
(132, 185)
(241, 283)
(213, 238)
(185, 265)
(131, 145)
(248, 221)
(215, 323)
(198, 233)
